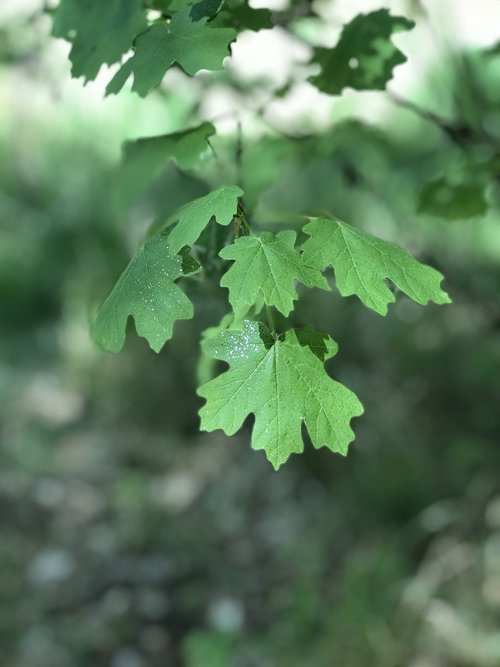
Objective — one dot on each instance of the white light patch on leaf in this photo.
(283, 383)
(147, 291)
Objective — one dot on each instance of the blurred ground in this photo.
(128, 539)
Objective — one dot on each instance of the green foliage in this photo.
(116, 512)
(143, 158)
(267, 266)
(364, 56)
(193, 45)
(147, 291)
(276, 374)
(100, 32)
(362, 263)
(243, 17)
(282, 381)
(222, 205)
(454, 201)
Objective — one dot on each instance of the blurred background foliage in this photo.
(127, 538)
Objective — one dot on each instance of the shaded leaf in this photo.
(364, 56)
(143, 158)
(147, 291)
(240, 15)
(363, 262)
(221, 204)
(192, 44)
(283, 383)
(197, 10)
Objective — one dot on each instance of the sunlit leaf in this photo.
(146, 291)
(268, 265)
(363, 262)
(283, 383)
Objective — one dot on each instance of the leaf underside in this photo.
(192, 44)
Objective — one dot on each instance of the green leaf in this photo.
(100, 32)
(267, 265)
(455, 201)
(206, 367)
(143, 158)
(193, 45)
(203, 9)
(364, 56)
(363, 262)
(197, 10)
(240, 15)
(283, 383)
(221, 204)
(147, 291)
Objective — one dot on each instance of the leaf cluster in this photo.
(278, 376)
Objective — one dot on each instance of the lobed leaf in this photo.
(364, 56)
(221, 204)
(363, 262)
(283, 383)
(190, 43)
(147, 291)
(100, 32)
(267, 265)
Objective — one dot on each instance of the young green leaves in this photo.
(279, 378)
(282, 381)
(267, 265)
(147, 291)
(363, 262)
(364, 56)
